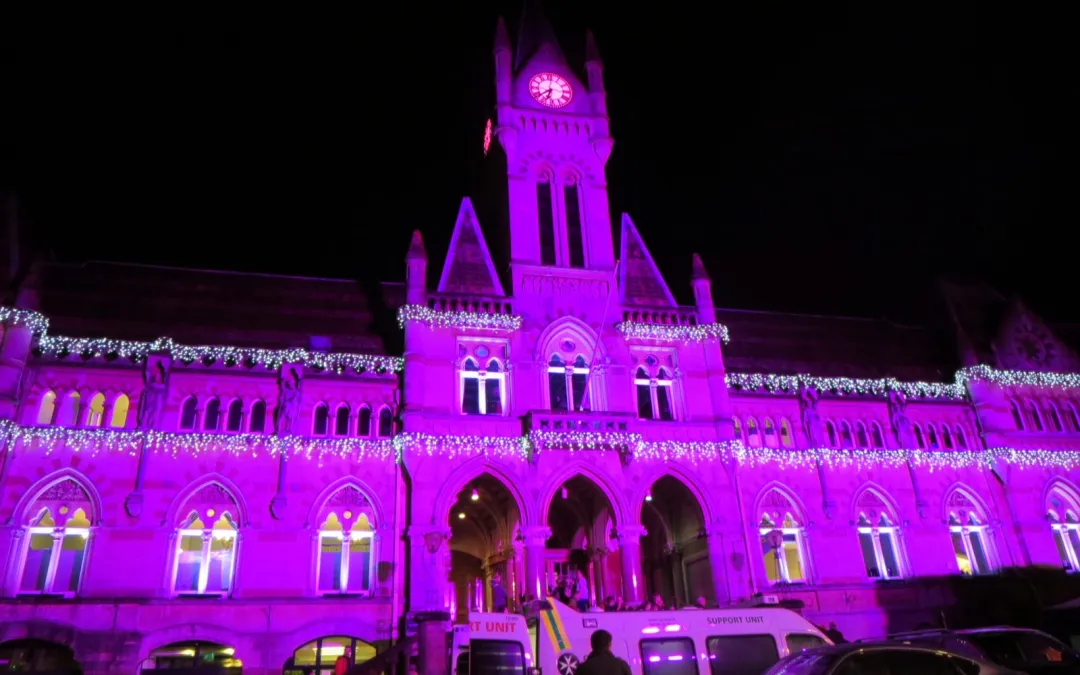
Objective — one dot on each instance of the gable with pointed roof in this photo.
(468, 267)
(640, 281)
(1025, 342)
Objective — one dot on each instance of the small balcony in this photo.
(575, 431)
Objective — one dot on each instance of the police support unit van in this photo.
(552, 639)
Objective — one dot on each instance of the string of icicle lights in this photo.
(60, 346)
(48, 440)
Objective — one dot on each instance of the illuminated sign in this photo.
(734, 620)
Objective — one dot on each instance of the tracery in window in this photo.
(57, 532)
(566, 380)
(482, 391)
(967, 528)
(878, 537)
(782, 539)
(346, 544)
(654, 389)
(1063, 512)
(206, 538)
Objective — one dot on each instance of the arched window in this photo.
(320, 656)
(769, 431)
(738, 428)
(846, 441)
(96, 415)
(919, 440)
(1074, 419)
(70, 407)
(386, 423)
(212, 415)
(57, 533)
(234, 420)
(363, 422)
(120, 409)
(878, 537)
(786, 438)
(257, 425)
(782, 539)
(967, 526)
(482, 391)
(341, 420)
(346, 544)
(205, 558)
(753, 435)
(1063, 512)
(1053, 416)
(861, 439)
(192, 656)
(830, 433)
(876, 437)
(321, 420)
(1034, 415)
(654, 392)
(946, 437)
(47, 408)
(931, 437)
(1018, 417)
(189, 413)
(565, 380)
(961, 438)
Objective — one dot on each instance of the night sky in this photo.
(821, 160)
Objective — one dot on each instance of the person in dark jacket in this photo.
(601, 661)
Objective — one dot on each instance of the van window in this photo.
(798, 642)
(462, 667)
(668, 657)
(498, 657)
(741, 654)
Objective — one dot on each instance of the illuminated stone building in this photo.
(279, 496)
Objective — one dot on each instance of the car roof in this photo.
(960, 631)
(878, 645)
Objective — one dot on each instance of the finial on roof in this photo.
(502, 37)
(592, 54)
(416, 247)
(698, 270)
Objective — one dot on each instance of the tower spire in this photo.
(536, 34)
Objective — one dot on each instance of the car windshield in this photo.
(803, 663)
(1019, 648)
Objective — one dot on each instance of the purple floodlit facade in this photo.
(287, 496)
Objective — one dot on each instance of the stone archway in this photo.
(576, 567)
(31, 656)
(486, 569)
(674, 551)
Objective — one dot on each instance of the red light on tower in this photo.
(487, 137)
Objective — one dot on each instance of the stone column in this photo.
(431, 639)
(517, 563)
(630, 553)
(599, 558)
(429, 558)
(535, 544)
(718, 565)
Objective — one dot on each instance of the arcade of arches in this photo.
(580, 552)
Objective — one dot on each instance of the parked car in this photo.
(883, 658)
(1023, 649)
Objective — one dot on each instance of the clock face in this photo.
(550, 90)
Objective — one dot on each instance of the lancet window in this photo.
(346, 544)
(575, 244)
(970, 540)
(342, 418)
(1074, 419)
(120, 408)
(320, 423)
(363, 422)
(386, 423)
(1063, 512)
(961, 438)
(47, 408)
(787, 439)
(753, 434)
(566, 380)
(654, 387)
(257, 424)
(189, 413)
(876, 437)
(878, 537)
(545, 211)
(234, 418)
(1034, 415)
(206, 543)
(1053, 416)
(212, 415)
(1018, 417)
(95, 414)
(56, 539)
(783, 543)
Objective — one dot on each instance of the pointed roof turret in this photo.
(592, 54)
(416, 247)
(536, 35)
(468, 267)
(640, 280)
(502, 37)
(697, 269)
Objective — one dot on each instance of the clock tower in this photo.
(554, 130)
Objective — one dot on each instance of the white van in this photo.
(552, 639)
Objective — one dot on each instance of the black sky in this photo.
(821, 158)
